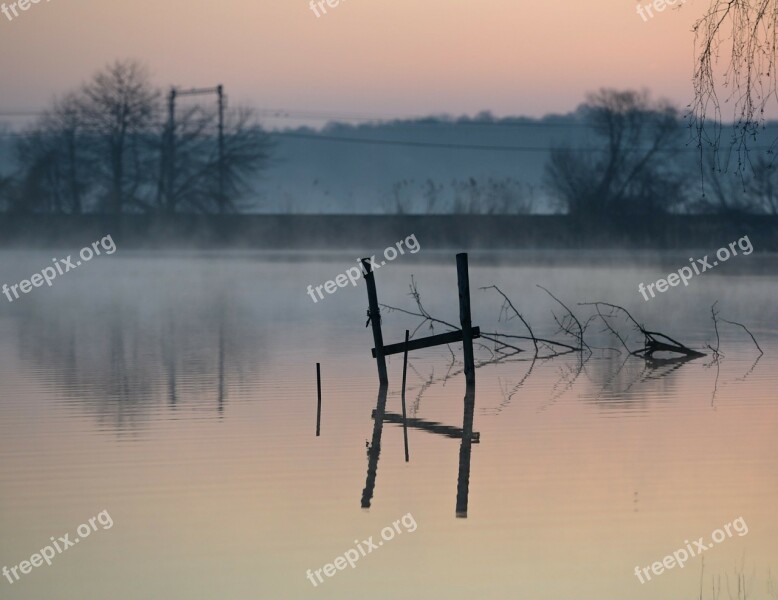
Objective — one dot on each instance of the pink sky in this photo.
(392, 57)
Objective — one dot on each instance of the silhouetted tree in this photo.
(103, 148)
(632, 170)
(247, 151)
(196, 169)
(119, 107)
(728, 192)
(763, 186)
(725, 192)
(53, 164)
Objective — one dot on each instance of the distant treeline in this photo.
(114, 147)
(639, 161)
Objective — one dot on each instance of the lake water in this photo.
(177, 392)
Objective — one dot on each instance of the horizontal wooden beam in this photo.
(450, 337)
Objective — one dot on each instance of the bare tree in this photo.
(728, 192)
(6, 191)
(119, 106)
(743, 34)
(53, 165)
(193, 138)
(104, 148)
(39, 186)
(197, 170)
(725, 193)
(763, 186)
(633, 171)
(247, 151)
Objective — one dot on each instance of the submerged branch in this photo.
(652, 340)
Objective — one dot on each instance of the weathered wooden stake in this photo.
(374, 314)
(405, 371)
(318, 408)
(463, 280)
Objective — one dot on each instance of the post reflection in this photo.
(466, 434)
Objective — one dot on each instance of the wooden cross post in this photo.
(466, 335)
(374, 317)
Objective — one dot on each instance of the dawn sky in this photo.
(384, 57)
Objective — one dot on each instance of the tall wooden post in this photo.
(318, 406)
(374, 314)
(405, 373)
(463, 279)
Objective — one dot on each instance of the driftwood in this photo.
(656, 345)
(505, 344)
(553, 347)
(715, 316)
(653, 341)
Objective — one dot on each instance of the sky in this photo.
(374, 57)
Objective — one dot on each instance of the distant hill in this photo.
(317, 173)
(363, 169)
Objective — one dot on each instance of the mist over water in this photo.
(177, 390)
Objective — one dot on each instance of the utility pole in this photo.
(171, 168)
(171, 152)
(222, 197)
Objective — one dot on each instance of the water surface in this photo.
(178, 392)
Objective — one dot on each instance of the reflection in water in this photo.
(115, 357)
(463, 482)
(428, 426)
(639, 449)
(466, 434)
(220, 401)
(169, 358)
(613, 374)
(374, 448)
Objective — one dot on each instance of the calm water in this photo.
(178, 393)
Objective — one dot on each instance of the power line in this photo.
(417, 121)
(446, 146)
(383, 142)
(480, 147)
(404, 120)
(406, 143)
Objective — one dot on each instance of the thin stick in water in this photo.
(405, 371)
(318, 408)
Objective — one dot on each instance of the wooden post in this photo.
(463, 279)
(463, 483)
(405, 371)
(318, 408)
(374, 315)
